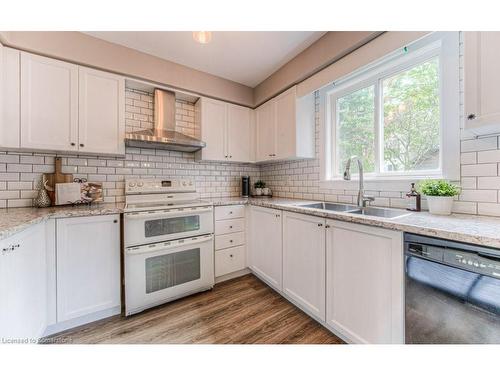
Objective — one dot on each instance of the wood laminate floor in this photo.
(238, 311)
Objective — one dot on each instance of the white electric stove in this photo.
(168, 235)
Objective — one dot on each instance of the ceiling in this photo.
(247, 57)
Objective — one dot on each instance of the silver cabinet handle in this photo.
(471, 116)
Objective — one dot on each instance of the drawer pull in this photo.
(230, 255)
(230, 241)
(230, 227)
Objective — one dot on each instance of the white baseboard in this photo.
(232, 275)
(72, 323)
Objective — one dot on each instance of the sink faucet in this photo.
(362, 198)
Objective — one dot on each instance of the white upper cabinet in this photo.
(49, 104)
(227, 129)
(285, 127)
(304, 262)
(265, 258)
(23, 285)
(212, 117)
(240, 133)
(265, 118)
(101, 112)
(88, 265)
(9, 98)
(482, 79)
(365, 283)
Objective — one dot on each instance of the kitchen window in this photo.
(400, 115)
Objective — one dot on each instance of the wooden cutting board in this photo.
(56, 178)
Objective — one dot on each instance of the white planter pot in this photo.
(266, 191)
(440, 205)
(258, 191)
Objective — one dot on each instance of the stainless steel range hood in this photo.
(163, 135)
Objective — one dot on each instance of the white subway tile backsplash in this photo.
(480, 170)
(491, 156)
(488, 182)
(479, 195)
(481, 144)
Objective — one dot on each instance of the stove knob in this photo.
(190, 183)
(183, 183)
(131, 184)
(139, 184)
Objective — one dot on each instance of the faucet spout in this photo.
(362, 198)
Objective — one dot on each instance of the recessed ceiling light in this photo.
(203, 37)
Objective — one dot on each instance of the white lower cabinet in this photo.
(88, 266)
(23, 293)
(304, 262)
(266, 245)
(364, 288)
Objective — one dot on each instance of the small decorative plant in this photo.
(259, 184)
(438, 188)
(439, 194)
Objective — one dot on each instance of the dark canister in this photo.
(245, 186)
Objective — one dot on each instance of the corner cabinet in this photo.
(482, 79)
(365, 283)
(88, 266)
(265, 256)
(227, 129)
(304, 262)
(23, 285)
(286, 127)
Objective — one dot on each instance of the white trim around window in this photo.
(444, 45)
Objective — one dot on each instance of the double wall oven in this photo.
(168, 233)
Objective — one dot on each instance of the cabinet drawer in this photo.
(229, 260)
(229, 226)
(229, 212)
(229, 240)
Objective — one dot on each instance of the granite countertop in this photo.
(480, 230)
(13, 220)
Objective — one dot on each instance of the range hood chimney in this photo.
(163, 135)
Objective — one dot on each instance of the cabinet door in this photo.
(49, 103)
(101, 112)
(239, 133)
(482, 78)
(266, 131)
(266, 245)
(88, 265)
(23, 310)
(304, 262)
(364, 287)
(286, 124)
(9, 98)
(213, 129)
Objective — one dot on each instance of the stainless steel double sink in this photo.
(351, 209)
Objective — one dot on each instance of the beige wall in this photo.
(87, 50)
(329, 48)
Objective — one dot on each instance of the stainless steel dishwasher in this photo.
(452, 292)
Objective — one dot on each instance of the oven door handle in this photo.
(164, 213)
(165, 246)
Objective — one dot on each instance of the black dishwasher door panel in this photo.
(448, 305)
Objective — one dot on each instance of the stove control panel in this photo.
(157, 185)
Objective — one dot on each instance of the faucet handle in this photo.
(368, 198)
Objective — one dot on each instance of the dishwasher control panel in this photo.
(485, 261)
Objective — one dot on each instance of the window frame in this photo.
(443, 45)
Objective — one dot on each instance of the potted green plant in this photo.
(259, 185)
(439, 195)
